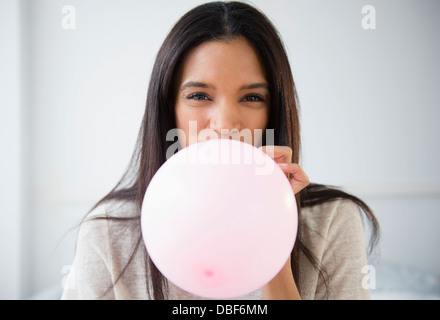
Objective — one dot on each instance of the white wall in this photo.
(11, 151)
(369, 116)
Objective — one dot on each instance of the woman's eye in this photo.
(253, 98)
(198, 96)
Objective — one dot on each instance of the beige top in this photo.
(332, 231)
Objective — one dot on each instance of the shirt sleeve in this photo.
(344, 256)
(89, 277)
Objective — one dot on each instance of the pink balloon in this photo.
(219, 219)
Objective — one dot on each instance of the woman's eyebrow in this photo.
(255, 86)
(197, 84)
(190, 84)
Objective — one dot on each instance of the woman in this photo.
(224, 66)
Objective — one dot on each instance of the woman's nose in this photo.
(225, 120)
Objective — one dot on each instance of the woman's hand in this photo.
(283, 286)
(283, 157)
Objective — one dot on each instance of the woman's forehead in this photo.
(220, 60)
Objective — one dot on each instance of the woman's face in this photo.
(223, 88)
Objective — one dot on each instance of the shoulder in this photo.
(322, 219)
(107, 222)
(330, 209)
(114, 209)
(333, 231)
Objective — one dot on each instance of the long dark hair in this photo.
(207, 22)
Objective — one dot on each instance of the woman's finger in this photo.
(299, 179)
(280, 154)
